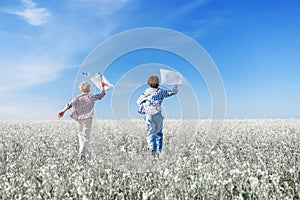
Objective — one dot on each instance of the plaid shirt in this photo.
(150, 101)
(84, 105)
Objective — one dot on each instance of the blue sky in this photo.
(254, 43)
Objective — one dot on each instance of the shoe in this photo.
(153, 152)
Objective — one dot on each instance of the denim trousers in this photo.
(154, 131)
(85, 127)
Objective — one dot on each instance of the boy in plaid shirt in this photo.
(150, 105)
(83, 106)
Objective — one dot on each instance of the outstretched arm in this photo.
(61, 113)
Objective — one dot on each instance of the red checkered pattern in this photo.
(83, 106)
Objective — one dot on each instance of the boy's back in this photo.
(150, 105)
(152, 99)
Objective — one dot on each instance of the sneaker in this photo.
(153, 152)
(82, 157)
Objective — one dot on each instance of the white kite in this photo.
(172, 78)
(96, 80)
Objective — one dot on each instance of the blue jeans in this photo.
(154, 131)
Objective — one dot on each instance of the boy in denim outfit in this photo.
(150, 105)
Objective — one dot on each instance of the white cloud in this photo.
(183, 10)
(22, 73)
(42, 55)
(32, 14)
(188, 7)
(34, 107)
(103, 8)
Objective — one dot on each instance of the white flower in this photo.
(254, 182)
(292, 171)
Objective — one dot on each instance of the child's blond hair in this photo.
(85, 87)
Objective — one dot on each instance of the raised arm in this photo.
(103, 92)
(168, 93)
(102, 84)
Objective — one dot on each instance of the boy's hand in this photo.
(61, 114)
(175, 89)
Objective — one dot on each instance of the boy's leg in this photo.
(159, 141)
(85, 127)
(80, 138)
(151, 140)
(159, 134)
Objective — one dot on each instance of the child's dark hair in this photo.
(153, 81)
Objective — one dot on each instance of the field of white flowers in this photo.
(244, 159)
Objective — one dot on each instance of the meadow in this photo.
(239, 159)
